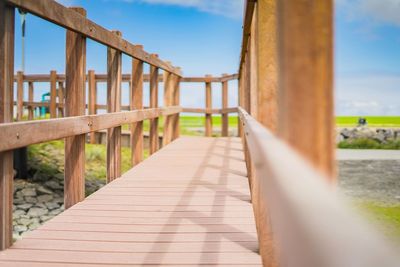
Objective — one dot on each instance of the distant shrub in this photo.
(365, 143)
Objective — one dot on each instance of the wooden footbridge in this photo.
(265, 197)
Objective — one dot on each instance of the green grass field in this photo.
(373, 121)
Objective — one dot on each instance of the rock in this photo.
(18, 213)
(37, 212)
(41, 205)
(33, 225)
(55, 212)
(59, 176)
(42, 190)
(53, 185)
(30, 200)
(25, 206)
(14, 208)
(18, 201)
(52, 205)
(59, 200)
(28, 192)
(44, 198)
(20, 228)
(24, 221)
(16, 236)
(45, 218)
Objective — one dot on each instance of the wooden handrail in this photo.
(18, 134)
(56, 13)
(311, 225)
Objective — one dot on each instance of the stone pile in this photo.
(380, 135)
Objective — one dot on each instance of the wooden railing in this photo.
(56, 84)
(76, 124)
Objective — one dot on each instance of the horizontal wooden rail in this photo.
(126, 78)
(311, 225)
(20, 134)
(210, 111)
(72, 20)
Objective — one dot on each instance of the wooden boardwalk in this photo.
(188, 204)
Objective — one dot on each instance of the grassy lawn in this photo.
(365, 143)
(373, 121)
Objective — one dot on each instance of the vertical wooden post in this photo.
(225, 118)
(137, 103)
(20, 95)
(92, 100)
(168, 101)
(30, 99)
(176, 80)
(240, 97)
(75, 73)
(7, 29)
(153, 104)
(61, 104)
(305, 121)
(114, 79)
(53, 94)
(208, 108)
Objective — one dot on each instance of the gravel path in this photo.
(367, 154)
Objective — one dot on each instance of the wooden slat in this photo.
(61, 98)
(231, 77)
(74, 185)
(114, 72)
(208, 122)
(207, 79)
(153, 104)
(137, 103)
(67, 18)
(176, 81)
(209, 223)
(30, 99)
(53, 94)
(306, 80)
(247, 20)
(92, 100)
(7, 28)
(20, 95)
(168, 101)
(20, 134)
(225, 118)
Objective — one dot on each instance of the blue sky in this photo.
(204, 37)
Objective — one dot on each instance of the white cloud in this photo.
(228, 8)
(379, 11)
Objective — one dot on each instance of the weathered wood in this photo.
(20, 95)
(305, 57)
(153, 104)
(168, 101)
(20, 134)
(207, 79)
(225, 118)
(137, 103)
(67, 18)
(74, 185)
(92, 100)
(208, 121)
(53, 94)
(114, 72)
(176, 81)
(7, 30)
(247, 21)
(30, 99)
(60, 104)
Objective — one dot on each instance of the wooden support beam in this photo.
(7, 30)
(30, 99)
(60, 94)
(92, 100)
(168, 101)
(137, 103)
(176, 80)
(114, 74)
(208, 122)
(20, 95)
(305, 118)
(74, 184)
(225, 118)
(153, 104)
(53, 94)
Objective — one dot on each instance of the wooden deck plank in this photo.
(188, 205)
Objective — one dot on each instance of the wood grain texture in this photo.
(61, 99)
(168, 101)
(225, 118)
(114, 72)
(198, 213)
(154, 142)
(208, 122)
(137, 103)
(53, 94)
(7, 29)
(176, 80)
(30, 99)
(92, 100)
(20, 95)
(74, 181)
(305, 31)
